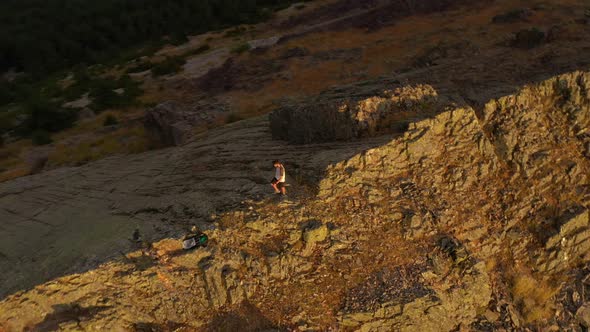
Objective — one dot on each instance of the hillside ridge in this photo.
(463, 220)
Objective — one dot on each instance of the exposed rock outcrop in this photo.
(172, 124)
(509, 179)
(441, 309)
(357, 111)
(567, 248)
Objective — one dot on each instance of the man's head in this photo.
(276, 163)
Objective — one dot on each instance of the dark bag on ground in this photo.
(194, 239)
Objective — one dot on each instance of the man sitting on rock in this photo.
(278, 182)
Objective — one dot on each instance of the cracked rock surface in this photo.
(73, 219)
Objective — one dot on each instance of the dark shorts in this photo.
(279, 184)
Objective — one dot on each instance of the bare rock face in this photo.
(167, 123)
(341, 114)
(86, 114)
(37, 158)
(515, 177)
(447, 307)
(571, 243)
(171, 124)
(263, 43)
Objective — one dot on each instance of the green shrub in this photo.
(178, 39)
(41, 137)
(110, 120)
(233, 117)
(7, 120)
(102, 91)
(528, 38)
(235, 32)
(43, 115)
(15, 91)
(239, 49)
(265, 13)
(104, 97)
(512, 16)
(140, 67)
(6, 93)
(168, 66)
(198, 50)
(98, 31)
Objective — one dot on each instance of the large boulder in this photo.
(364, 110)
(37, 158)
(167, 123)
(171, 123)
(86, 114)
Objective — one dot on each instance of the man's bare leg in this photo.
(284, 190)
(274, 186)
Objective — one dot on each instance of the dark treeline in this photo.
(47, 38)
(43, 36)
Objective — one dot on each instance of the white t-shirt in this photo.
(280, 173)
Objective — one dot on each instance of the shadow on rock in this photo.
(155, 327)
(62, 313)
(245, 318)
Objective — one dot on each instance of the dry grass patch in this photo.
(14, 173)
(121, 141)
(532, 295)
(10, 154)
(12, 164)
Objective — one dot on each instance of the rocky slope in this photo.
(470, 219)
(73, 218)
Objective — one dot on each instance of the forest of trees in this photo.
(43, 36)
(45, 39)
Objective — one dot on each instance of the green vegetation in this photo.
(236, 32)
(105, 92)
(45, 41)
(41, 37)
(43, 116)
(36, 106)
(110, 120)
(113, 93)
(64, 51)
(8, 119)
(241, 48)
(512, 16)
(528, 38)
(140, 67)
(233, 117)
(168, 66)
(41, 137)
(198, 50)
